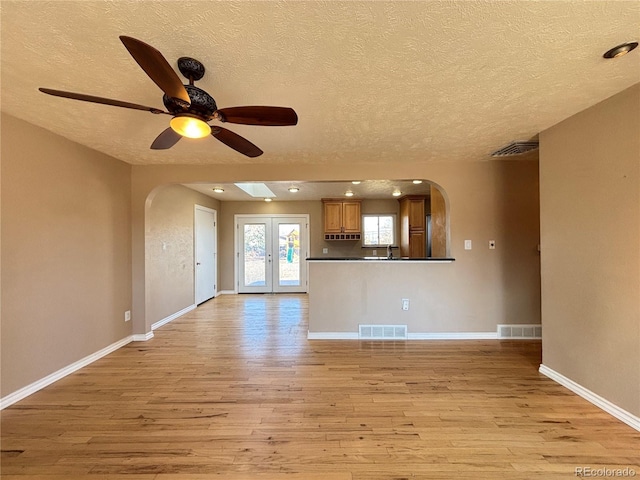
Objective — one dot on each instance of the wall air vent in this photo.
(515, 148)
(383, 332)
(520, 332)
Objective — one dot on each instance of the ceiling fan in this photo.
(190, 106)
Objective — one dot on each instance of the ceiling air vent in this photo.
(515, 148)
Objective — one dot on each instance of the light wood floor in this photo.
(233, 390)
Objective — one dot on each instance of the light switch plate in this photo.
(467, 244)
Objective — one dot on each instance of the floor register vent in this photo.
(520, 331)
(383, 332)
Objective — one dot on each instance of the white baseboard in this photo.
(63, 372)
(602, 403)
(454, 336)
(142, 337)
(171, 317)
(332, 335)
(411, 336)
(227, 292)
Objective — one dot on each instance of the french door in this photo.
(271, 252)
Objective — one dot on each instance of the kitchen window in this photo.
(378, 230)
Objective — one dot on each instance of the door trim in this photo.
(236, 251)
(215, 250)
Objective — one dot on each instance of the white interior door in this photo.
(271, 253)
(205, 254)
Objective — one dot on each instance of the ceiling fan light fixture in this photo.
(620, 50)
(190, 126)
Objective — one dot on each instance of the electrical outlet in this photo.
(127, 315)
(405, 304)
(375, 253)
(325, 251)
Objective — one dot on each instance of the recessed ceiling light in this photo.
(218, 190)
(397, 193)
(417, 182)
(267, 199)
(356, 182)
(620, 50)
(294, 189)
(348, 193)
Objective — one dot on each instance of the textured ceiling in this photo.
(366, 189)
(371, 81)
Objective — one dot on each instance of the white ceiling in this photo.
(371, 81)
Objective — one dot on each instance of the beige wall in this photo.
(479, 290)
(494, 200)
(170, 249)
(343, 295)
(66, 252)
(590, 232)
(74, 250)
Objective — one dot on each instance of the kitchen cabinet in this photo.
(413, 226)
(342, 219)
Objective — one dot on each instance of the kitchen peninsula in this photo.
(348, 292)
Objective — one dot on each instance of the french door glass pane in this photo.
(255, 259)
(289, 254)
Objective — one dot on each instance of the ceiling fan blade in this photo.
(235, 141)
(272, 116)
(157, 67)
(105, 101)
(167, 139)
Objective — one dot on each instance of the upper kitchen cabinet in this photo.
(342, 219)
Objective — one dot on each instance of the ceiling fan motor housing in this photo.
(191, 68)
(202, 104)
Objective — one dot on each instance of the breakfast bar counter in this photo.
(380, 259)
(419, 294)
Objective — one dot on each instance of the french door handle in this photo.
(197, 263)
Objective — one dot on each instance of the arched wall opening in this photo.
(484, 201)
(168, 236)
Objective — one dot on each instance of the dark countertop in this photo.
(382, 259)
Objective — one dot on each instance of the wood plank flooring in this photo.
(234, 390)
